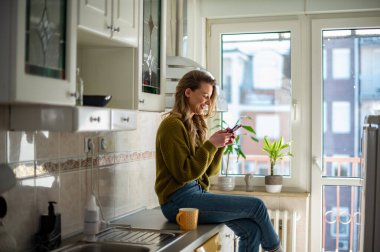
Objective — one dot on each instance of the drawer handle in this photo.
(95, 119)
(123, 119)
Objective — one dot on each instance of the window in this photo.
(254, 61)
(262, 90)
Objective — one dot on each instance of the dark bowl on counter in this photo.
(96, 100)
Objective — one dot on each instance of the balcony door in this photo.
(345, 88)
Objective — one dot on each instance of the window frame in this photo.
(318, 24)
(300, 118)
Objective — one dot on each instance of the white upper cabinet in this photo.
(38, 52)
(108, 22)
(151, 70)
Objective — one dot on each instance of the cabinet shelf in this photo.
(71, 119)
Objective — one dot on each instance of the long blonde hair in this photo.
(196, 124)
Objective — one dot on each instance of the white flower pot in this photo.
(273, 184)
(226, 183)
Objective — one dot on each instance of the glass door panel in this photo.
(45, 49)
(350, 91)
(256, 78)
(151, 47)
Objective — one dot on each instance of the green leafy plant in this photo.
(235, 148)
(276, 151)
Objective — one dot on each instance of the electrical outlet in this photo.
(87, 144)
(103, 144)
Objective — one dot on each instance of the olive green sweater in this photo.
(179, 162)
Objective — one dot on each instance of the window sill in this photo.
(260, 191)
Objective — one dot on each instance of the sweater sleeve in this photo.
(179, 156)
(216, 163)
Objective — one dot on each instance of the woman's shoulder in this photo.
(170, 122)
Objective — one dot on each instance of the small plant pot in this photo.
(226, 183)
(273, 184)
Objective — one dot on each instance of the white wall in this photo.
(216, 9)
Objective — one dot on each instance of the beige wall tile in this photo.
(47, 145)
(22, 219)
(47, 189)
(126, 141)
(71, 145)
(122, 189)
(106, 191)
(70, 202)
(20, 146)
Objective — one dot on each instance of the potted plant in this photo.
(275, 151)
(226, 182)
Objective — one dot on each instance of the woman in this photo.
(185, 160)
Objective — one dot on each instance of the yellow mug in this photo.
(187, 218)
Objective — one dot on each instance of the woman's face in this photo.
(199, 99)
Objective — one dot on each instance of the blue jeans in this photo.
(246, 216)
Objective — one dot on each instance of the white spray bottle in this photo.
(91, 219)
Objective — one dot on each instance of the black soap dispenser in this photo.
(49, 234)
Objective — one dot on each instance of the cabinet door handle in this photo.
(123, 119)
(75, 94)
(141, 101)
(95, 119)
(109, 27)
(117, 29)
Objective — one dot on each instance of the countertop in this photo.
(154, 219)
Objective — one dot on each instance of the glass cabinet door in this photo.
(45, 38)
(42, 57)
(151, 46)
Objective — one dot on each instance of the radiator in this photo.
(285, 225)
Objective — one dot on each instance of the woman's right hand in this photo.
(222, 138)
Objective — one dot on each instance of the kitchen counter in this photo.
(154, 219)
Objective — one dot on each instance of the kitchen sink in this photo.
(120, 238)
(100, 247)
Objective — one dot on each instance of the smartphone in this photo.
(235, 128)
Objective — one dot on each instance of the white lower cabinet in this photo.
(227, 240)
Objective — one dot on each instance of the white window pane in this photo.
(268, 125)
(256, 74)
(341, 63)
(341, 117)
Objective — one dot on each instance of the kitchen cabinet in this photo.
(227, 240)
(70, 119)
(151, 71)
(115, 21)
(122, 119)
(119, 73)
(212, 244)
(59, 118)
(38, 52)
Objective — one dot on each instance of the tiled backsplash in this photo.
(53, 166)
